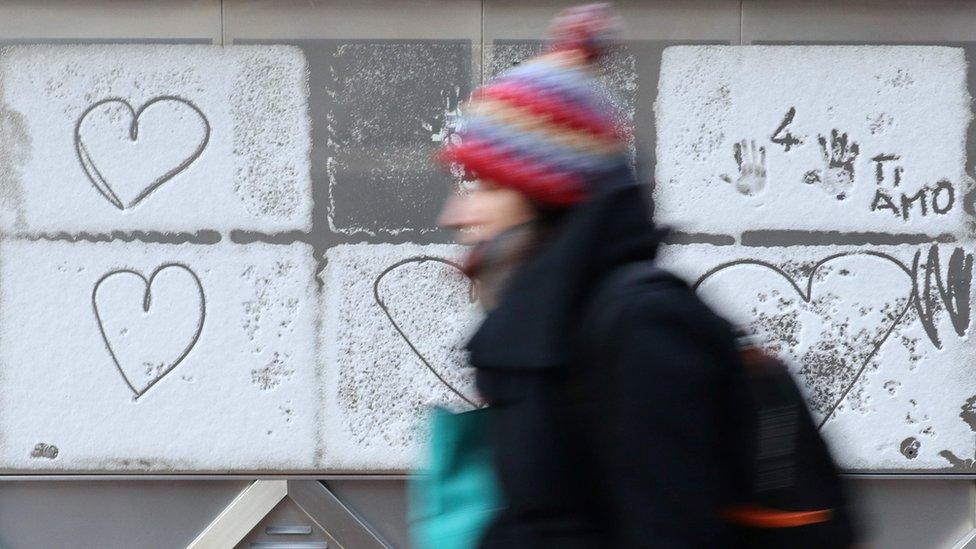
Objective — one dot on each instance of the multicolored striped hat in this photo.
(546, 127)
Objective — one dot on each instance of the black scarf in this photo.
(491, 263)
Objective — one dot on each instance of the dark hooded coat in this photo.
(637, 440)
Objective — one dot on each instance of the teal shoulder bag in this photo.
(455, 500)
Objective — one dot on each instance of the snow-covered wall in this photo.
(224, 258)
(827, 189)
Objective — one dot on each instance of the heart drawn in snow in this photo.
(127, 153)
(149, 325)
(829, 326)
(433, 326)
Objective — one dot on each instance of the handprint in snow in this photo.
(836, 178)
(752, 168)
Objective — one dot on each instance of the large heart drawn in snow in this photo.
(431, 316)
(829, 323)
(128, 153)
(149, 325)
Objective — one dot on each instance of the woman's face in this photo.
(484, 211)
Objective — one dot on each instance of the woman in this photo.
(628, 431)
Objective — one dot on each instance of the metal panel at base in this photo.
(122, 514)
(339, 524)
(241, 515)
(333, 516)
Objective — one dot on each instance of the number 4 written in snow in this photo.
(787, 139)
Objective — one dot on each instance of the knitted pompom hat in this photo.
(546, 127)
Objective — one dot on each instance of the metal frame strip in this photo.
(967, 542)
(331, 515)
(240, 517)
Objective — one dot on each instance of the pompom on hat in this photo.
(591, 29)
(546, 127)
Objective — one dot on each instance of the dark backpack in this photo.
(797, 497)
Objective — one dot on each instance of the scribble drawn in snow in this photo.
(851, 324)
(394, 332)
(873, 335)
(99, 324)
(183, 137)
(166, 307)
(829, 117)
